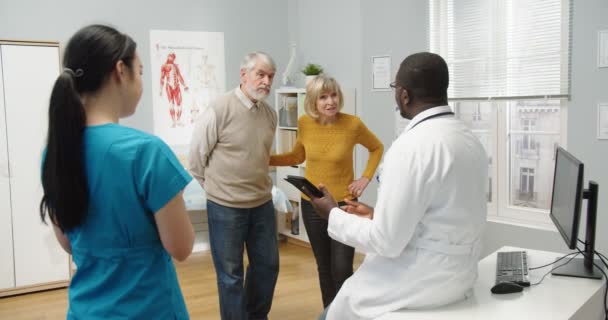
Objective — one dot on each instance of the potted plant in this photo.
(312, 70)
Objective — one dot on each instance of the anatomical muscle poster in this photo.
(188, 72)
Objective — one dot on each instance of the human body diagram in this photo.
(171, 81)
(204, 86)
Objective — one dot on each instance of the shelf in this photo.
(288, 90)
(289, 104)
(285, 140)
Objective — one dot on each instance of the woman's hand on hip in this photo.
(357, 187)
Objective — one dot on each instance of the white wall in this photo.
(328, 33)
(589, 86)
(390, 27)
(247, 26)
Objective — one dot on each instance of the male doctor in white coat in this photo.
(422, 239)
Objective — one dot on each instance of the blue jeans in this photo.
(229, 230)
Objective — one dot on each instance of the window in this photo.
(536, 130)
(526, 186)
(509, 66)
(477, 114)
(480, 117)
(527, 141)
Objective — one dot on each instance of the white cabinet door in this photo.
(7, 274)
(29, 75)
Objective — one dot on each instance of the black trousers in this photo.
(334, 259)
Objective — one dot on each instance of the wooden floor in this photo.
(297, 295)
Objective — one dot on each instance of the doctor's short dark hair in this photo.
(425, 76)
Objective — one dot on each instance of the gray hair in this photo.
(252, 58)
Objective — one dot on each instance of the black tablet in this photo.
(301, 182)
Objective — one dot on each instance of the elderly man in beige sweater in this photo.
(229, 157)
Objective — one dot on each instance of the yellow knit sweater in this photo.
(328, 151)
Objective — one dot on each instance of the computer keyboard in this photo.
(512, 266)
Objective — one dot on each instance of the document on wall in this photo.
(602, 121)
(602, 49)
(381, 73)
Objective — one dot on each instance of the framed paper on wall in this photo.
(602, 49)
(602, 121)
(381, 73)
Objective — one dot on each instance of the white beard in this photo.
(255, 94)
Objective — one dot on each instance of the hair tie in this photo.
(76, 74)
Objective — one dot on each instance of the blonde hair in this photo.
(315, 88)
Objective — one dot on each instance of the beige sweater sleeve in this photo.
(204, 138)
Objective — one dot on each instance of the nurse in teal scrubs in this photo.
(112, 193)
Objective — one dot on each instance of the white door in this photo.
(7, 274)
(29, 75)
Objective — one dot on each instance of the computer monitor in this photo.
(566, 200)
(567, 196)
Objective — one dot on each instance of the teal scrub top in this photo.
(123, 271)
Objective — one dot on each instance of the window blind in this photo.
(503, 49)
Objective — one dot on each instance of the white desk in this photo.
(555, 298)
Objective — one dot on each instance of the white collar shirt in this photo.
(243, 98)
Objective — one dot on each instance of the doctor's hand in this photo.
(358, 208)
(357, 187)
(324, 204)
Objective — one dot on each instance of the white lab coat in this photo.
(422, 245)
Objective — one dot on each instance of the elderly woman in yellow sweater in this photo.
(326, 140)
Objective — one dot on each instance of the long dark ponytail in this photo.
(89, 58)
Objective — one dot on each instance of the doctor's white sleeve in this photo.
(204, 139)
(403, 197)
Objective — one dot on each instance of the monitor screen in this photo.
(567, 195)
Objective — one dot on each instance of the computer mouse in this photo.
(506, 287)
